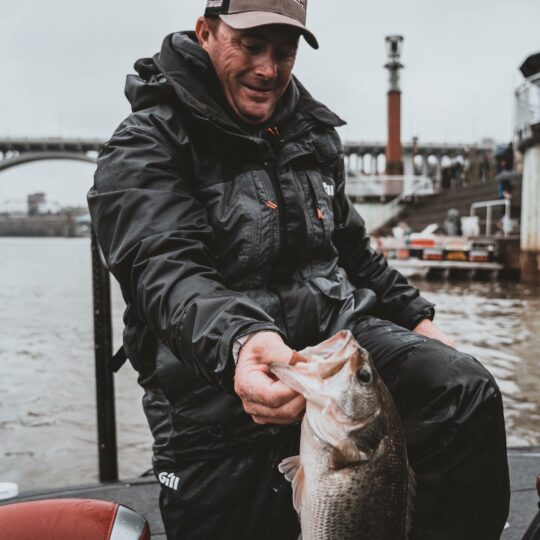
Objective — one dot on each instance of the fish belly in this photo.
(365, 501)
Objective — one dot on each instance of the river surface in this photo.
(47, 388)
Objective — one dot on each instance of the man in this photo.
(220, 206)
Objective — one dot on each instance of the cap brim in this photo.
(254, 19)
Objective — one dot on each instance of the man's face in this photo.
(254, 66)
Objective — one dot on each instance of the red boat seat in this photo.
(71, 519)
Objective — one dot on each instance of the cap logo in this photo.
(215, 3)
(302, 3)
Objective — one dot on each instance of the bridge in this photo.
(426, 159)
(19, 151)
(365, 157)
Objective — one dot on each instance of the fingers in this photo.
(266, 399)
(264, 420)
(259, 388)
(432, 331)
(450, 342)
(287, 414)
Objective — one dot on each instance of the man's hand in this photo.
(266, 399)
(428, 329)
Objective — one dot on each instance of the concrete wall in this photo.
(37, 226)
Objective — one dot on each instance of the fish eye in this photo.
(364, 375)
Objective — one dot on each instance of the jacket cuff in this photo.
(415, 312)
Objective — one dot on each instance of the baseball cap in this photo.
(244, 14)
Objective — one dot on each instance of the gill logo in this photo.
(329, 189)
(169, 480)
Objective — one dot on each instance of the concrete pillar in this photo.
(438, 172)
(408, 165)
(530, 216)
(425, 165)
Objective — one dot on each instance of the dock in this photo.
(418, 264)
(142, 494)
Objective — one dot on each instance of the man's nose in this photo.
(267, 66)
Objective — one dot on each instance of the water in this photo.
(47, 388)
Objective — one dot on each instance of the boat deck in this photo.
(142, 494)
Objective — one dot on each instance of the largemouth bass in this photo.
(351, 480)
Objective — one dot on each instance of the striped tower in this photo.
(394, 162)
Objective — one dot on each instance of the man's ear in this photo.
(203, 33)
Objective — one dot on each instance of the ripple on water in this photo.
(498, 324)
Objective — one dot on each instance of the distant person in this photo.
(446, 178)
(505, 184)
(220, 207)
(504, 181)
(452, 223)
(402, 230)
(457, 175)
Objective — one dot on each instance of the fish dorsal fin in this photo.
(293, 471)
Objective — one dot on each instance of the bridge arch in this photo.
(29, 157)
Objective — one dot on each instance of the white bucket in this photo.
(470, 226)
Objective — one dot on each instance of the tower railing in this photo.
(527, 101)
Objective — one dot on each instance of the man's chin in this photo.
(255, 116)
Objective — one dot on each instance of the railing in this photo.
(423, 186)
(384, 186)
(103, 352)
(376, 216)
(489, 205)
(527, 104)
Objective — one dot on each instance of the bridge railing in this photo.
(489, 205)
(388, 186)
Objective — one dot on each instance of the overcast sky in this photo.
(64, 64)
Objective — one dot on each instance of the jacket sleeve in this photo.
(157, 242)
(398, 300)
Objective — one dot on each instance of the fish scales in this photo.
(352, 480)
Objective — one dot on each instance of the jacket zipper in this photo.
(319, 214)
(280, 205)
(281, 141)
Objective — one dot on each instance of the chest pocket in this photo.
(312, 165)
(242, 213)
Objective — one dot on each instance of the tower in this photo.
(527, 130)
(394, 163)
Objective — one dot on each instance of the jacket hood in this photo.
(188, 69)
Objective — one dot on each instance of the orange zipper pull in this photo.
(271, 204)
(273, 131)
(320, 214)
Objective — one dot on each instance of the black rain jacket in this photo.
(215, 230)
